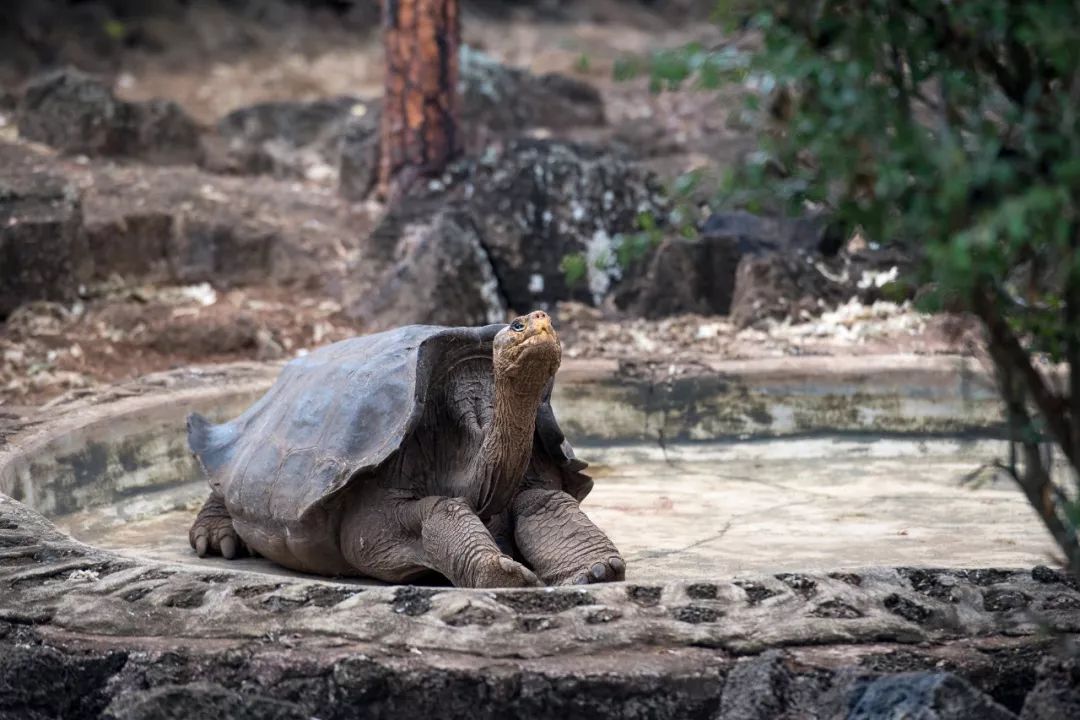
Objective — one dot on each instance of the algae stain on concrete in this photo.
(102, 472)
(700, 408)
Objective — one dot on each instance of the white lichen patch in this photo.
(84, 576)
(479, 72)
(202, 293)
(495, 309)
(855, 323)
(609, 201)
(602, 263)
(878, 279)
(577, 211)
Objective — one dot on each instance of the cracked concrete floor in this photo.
(715, 510)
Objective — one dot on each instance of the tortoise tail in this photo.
(199, 431)
(212, 444)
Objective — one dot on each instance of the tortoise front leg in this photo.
(457, 544)
(398, 540)
(560, 542)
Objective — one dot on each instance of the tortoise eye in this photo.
(517, 326)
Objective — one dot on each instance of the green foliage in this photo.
(670, 69)
(951, 127)
(115, 29)
(954, 127)
(575, 268)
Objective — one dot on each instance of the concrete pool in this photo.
(718, 509)
(810, 507)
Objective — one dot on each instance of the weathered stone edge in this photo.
(50, 579)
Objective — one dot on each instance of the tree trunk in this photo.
(419, 133)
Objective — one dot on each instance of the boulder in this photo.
(285, 138)
(222, 248)
(766, 687)
(499, 101)
(538, 202)
(358, 164)
(756, 235)
(132, 243)
(78, 114)
(38, 681)
(914, 696)
(203, 337)
(681, 276)
(1056, 693)
(43, 253)
(698, 275)
(200, 700)
(434, 271)
(182, 225)
(782, 285)
(161, 133)
(73, 112)
(802, 283)
(506, 222)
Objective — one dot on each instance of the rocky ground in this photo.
(207, 201)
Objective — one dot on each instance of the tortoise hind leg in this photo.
(212, 533)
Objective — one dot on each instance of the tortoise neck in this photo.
(507, 447)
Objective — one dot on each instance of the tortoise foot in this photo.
(503, 571)
(608, 569)
(212, 533)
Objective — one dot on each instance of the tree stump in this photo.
(419, 128)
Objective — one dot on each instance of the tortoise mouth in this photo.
(539, 352)
(541, 340)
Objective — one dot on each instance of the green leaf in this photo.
(115, 29)
(575, 268)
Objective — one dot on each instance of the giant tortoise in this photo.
(395, 455)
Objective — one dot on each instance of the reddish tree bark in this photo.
(419, 132)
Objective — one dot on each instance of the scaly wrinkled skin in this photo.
(492, 517)
(213, 533)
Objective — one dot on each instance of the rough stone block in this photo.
(43, 253)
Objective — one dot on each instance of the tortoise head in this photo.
(527, 351)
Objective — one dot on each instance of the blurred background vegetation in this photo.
(953, 130)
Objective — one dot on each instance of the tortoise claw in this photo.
(504, 571)
(228, 547)
(611, 569)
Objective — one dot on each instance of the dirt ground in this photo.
(119, 331)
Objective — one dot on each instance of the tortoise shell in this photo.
(334, 416)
